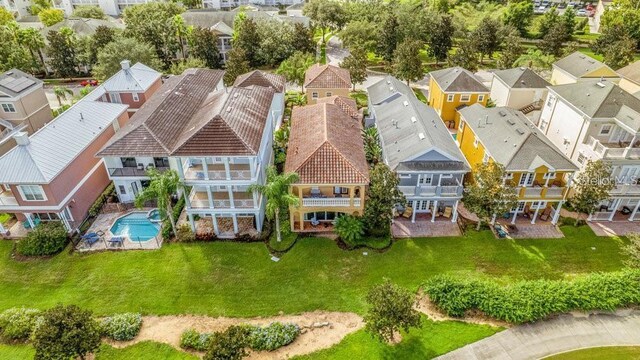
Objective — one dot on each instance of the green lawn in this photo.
(145, 350)
(4, 218)
(429, 341)
(601, 353)
(234, 279)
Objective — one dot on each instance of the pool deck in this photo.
(104, 222)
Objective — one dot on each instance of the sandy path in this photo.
(428, 308)
(167, 329)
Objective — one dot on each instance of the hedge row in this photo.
(528, 301)
(267, 338)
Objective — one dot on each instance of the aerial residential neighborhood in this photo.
(319, 179)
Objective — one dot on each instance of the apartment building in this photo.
(23, 106)
(322, 81)
(452, 89)
(53, 175)
(218, 139)
(599, 120)
(579, 67)
(539, 170)
(326, 150)
(419, 148)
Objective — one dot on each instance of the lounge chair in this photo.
(545, 214)
(408, 211)
(501, 231)
(448, 210)
(527, 211)
(90, 241)
(116, 240)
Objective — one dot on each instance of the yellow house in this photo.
(322, 81)
(540, 172)
(452, 89)
(578, 67)
(327, 153)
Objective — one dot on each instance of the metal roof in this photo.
(52, 148)
(138, 77)
(14, 82)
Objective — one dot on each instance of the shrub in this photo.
(47, 238)
(350, 229)
(273, 336)
(228, 345)
(16, 324)
(193, 340)
(122, 327)
(532, 300)
(185, 234)
(95, 208)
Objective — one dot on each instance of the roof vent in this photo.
(600, 84)
(421, 136)
(413, 119)
(229, 109)
(388, 81)
(502, 113)
(520, 131)
(390, 88)
(125, 64)
(511, 122)
(406, 103)
(21, 138)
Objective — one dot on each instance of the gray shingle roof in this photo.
(600, 99)
(631, 72)
(457, 79)
(82, 26)
(579, 64)
(208, 18)
(408, 129)
(521, 78)
(512, 140)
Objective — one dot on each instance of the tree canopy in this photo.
(122, 48)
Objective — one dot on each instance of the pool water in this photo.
(136, 226)
(154, 215)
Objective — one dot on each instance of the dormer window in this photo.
(136, 98)
(605, 129)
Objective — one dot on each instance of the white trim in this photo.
(22, 194)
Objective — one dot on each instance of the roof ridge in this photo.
(153, 135)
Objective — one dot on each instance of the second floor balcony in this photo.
(216, 172)
(221, 200)
(330, 196)
(139, 171)
(614, 150)
(452, 190)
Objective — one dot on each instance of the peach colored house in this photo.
(325, 81)
(23, 106)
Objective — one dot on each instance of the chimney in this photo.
(21, 138)
(125, 64)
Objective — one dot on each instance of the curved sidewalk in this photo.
(561, 334)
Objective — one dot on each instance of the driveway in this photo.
(564, 333)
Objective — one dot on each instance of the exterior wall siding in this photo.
(447, 109)
(323, 93)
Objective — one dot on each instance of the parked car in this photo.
(581, 12)
(91, 82)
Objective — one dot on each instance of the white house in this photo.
(518, 88)
(578, 67)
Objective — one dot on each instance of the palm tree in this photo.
(535, 59)
(350, 229)
(161, 188)
(276, 190)
(61, 93)
(33, 40)
(372, 149)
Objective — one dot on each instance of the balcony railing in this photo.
(7, 200)
(554, 192)
(449, 190)
(612, 150)
(314, 202)
(532, 191)
(626, 189)
(200, 200)
(131, 171)
(407, 190)
(217, 172)
(444, 190)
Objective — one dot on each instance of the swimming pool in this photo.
(136, 226)
(154, 216)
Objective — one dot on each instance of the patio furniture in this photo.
(527, 211)
(407, 213)
(91, 240)
(140, 166)
(315, 222)
(546, 214)
(448, 210)
(27, 225)
(116, 240)
(200, 175)
(604, 208)
(626, 210)
(93, 234)
(512, 228)
(315, 193)
(501, 231)
(395, 213)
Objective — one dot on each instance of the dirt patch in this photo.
(428, 308)
(167, 329)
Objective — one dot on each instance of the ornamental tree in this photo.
(592, 186)
(391, 309)
(489, 194)
(384, 196)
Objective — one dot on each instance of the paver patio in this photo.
(561, 334)
(614, 228)
(103, 223)
(423, 227)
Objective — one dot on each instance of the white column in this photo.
(230, 192)
(633, 213)
(616, 203)
(192, 223)
(556, 215)
(187, 201)
(415, 208)
(515, 214)
(633, 140)
(434, 210)
(210, 196)
(205, 168)
(30, 220)
(235, 223)
(535, 215)
(215, 224)
(546, 183)
(252, 167)
(258, 221)
(454, 218)
(180, 168)
(2, 229)
(227, 172)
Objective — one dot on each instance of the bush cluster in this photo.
(95, 208)
(193, 340)
(16, 324)
(272, 336)
(122, 327)
(48, 238)
(184, 234)
(267, 338)
(532, 300)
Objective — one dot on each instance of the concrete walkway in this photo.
(561, 334)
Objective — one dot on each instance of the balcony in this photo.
(132, 171)
(217, 172)
(444, 190)
(335, 201)
(626, 189)
(554, 192)
(7, 199)
(615, 150)
(221, 200)
(532, 192)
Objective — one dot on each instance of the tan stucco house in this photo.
(578, 67)
(325, 81)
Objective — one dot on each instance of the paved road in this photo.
(564, 333)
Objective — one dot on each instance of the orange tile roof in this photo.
(327, 77)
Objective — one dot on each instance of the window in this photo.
(424, 205)
(340, 190)
(480, 98)
(465, 97)
(550, 100)
(426, 179)
(6, 107)
(450, 97)
(475, 142)
(508, 176)
(115, 98)
(329, 93)
(32, 192)
(129, 162)
(136, 98)
(581, 158)
(543, 124)
(539, 205)
(519, 208)
(161, 162)
(314, 95)
(549, 175)
(405, 176)
(410, 203)
(526, 179)
(605, 129)
(485, 158)
(122, 189)
(461, 126)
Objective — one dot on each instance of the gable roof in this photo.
(208, 19)
(188, 116)
(521, 78)
(512, 140)
(261, 78)
(408, 128)
(597, 99)
(15, 82)
(138, 77)
(579, 64)
(327, 77)
(457, 79)
(631, 72)
(326, 146)
(347, 104)
(50, 149)
(82, 26)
